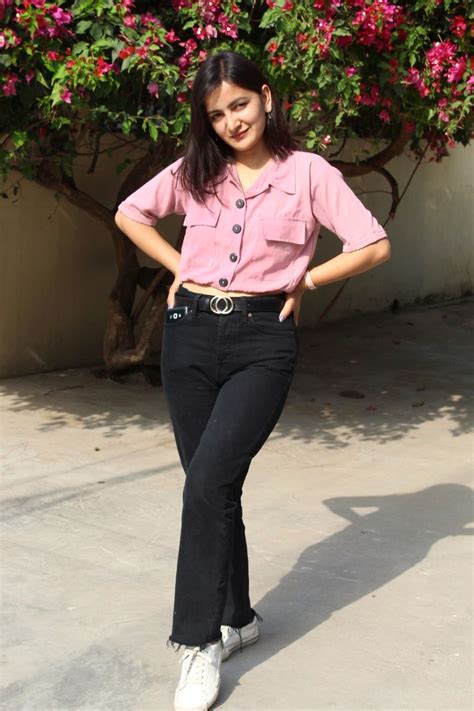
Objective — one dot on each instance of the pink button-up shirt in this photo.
(260, 239)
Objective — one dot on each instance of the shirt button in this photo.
(233, 257)
(223, 282)
(240, 202)
(236, 229)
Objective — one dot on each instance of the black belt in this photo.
(227, 304)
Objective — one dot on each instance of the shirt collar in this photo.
(280, 175)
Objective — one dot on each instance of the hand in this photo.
(293, 302)
(173, 288)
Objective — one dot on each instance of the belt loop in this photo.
(195, 305)
(243, 318)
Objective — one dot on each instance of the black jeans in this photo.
(226, 379)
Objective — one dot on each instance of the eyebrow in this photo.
(235, 101)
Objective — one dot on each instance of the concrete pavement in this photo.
(358, 512)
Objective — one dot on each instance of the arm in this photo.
(149, 240)
(347, 264)
(336, 207)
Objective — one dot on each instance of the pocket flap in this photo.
(201, 215)
(282, 229)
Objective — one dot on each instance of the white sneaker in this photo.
(234, 638)
(200, 679)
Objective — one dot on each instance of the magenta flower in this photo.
(62, 17)
(385, 116)
(66, 96)
(171, 36)
(9, 87)
(456, 71)
(350, 71)
(152, 88)
(211, 31)
(458, 25)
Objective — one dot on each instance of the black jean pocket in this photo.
(267, 322)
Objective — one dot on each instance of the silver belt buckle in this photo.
(215, 307)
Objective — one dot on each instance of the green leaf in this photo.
(83, 26)
(152, 130)
(19, 138)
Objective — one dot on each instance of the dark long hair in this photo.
(205, 154)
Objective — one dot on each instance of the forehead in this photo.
(223, 95)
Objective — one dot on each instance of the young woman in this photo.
(254, 205)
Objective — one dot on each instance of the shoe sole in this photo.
(201, 708)
(226, 653)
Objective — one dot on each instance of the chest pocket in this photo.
(284, 230)
(200, 217)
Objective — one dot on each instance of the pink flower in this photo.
(9, 87)
(288, 5)
(62, 17)
(327, 140)
(227, 28)
(199, 32)
(52, 55)
(470, 83)
(456, 71)
(130, 21)
(443, 116)
(385, 116)
(66, 96)
(102, 67)
(458, 25)
(211, 31)
(438, 55)
(153, 89)
(414, 77)
(350, 71)
(3, 40)
(29, 76)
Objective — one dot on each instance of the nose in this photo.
(234, 125)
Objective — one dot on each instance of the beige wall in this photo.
(57, 263)
(431, 238)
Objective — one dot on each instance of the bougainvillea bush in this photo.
(395, 74)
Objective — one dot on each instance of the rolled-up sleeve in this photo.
(159, 197)
(339, 209)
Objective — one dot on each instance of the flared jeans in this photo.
(226, 378)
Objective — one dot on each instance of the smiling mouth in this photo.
(238, 135)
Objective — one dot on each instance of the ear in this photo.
(266, 97)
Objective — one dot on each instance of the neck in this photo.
(254, 159)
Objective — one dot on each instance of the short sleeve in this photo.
(160, 196)
(339, 209)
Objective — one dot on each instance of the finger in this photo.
(284, 313)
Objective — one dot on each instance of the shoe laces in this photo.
(197, 662)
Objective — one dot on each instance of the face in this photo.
(233, 110)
